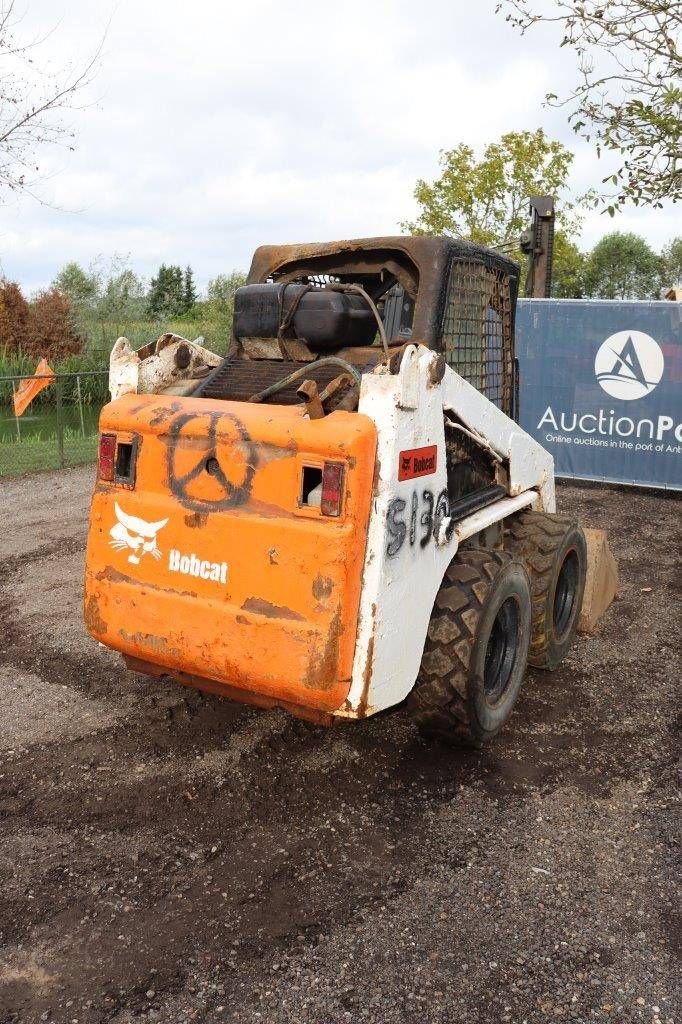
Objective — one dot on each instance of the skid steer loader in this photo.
(343, 513)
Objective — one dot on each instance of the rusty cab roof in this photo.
(420, 263)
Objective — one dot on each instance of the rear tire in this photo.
(476, 648)
(554, 551)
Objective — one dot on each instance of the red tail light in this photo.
(107, 456)
(332, 489)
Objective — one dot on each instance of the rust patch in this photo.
(322, 587)
(110, 575)
(196, 520)
(93, 619)
(273, 611)
(367, 671)
(242, 620)
(322, 674)
(158, 644)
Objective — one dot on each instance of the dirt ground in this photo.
(170, 857)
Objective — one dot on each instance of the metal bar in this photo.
(16, 418)
(54, 376)
(60, 425)
(80, 403)
(492, 514)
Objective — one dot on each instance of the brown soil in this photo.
(167, 856)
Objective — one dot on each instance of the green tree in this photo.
(671, 263)
(81, 287)
(622, 266)
(568, 269)
(189, 290)
(628, 96)
(122, 298)
(219, 304)
(221, 289)
(485, 200)
(166, 292)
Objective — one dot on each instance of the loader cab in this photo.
(298, 307)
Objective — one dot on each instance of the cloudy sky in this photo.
(213, 126)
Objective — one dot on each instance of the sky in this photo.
(213, 126)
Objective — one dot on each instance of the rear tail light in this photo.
(107, 456)
(116, 461)
(332, 489)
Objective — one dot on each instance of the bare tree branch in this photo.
(34, 102)
(628, 98)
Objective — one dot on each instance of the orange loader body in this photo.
(210, 550)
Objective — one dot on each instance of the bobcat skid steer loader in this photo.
(343, 513)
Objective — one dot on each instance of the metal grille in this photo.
(477, 330)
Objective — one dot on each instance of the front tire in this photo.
(554, 551)
(476, 648)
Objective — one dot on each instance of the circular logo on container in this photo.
(629, 365)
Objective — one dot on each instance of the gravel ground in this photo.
(170, 857)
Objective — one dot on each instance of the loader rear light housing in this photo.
(107, 457)
(331, 502)
(116, 460)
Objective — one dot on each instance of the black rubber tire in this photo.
(554, 551)
(483, 608)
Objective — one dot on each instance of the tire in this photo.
(476, 648)
(554, 551)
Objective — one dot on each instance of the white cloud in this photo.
(218, 125)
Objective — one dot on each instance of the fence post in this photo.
(80, 403)
(60, 424)
(16, 418)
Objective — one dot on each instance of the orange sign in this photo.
(32, 386)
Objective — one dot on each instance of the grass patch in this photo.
(35, 453)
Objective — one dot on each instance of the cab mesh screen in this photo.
(477, 330)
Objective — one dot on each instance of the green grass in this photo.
(34, 453)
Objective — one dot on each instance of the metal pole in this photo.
(60, 425)
(16, 418)
(80, 403)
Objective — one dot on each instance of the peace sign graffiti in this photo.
(211, 461)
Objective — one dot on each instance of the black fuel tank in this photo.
(324, 319)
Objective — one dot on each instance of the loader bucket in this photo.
(601, 583)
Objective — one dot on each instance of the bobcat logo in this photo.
(136, 534)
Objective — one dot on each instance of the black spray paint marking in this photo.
(431, 519)
(396, 527)
(235, 493)
(413, 518)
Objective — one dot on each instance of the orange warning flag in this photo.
(32, 386)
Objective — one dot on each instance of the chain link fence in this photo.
(58, 429)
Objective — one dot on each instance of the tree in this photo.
(189, 290)
(166, 292)
(671, 263)
(220, 303)
(14, 317)
(486, 200)
(50, 330)
(81, 287)
(622, 266)
(122, 298)
(33, 102)
(628, 98)
(568, 269)
(221, 289)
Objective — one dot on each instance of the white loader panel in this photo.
(411, 539)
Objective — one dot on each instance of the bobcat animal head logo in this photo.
(135, 534)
